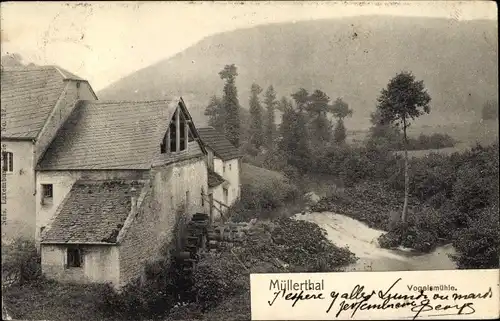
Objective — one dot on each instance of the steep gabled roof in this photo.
(28, 95)
(218, 143)
(92, 212)
(110, 135)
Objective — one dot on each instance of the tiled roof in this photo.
(92, 212)
(110, 135)
(218, 143)
(214, 179)
(28, 96)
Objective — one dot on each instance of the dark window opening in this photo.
(47, 191)
(226, 195)
(173, 134)
(7, 162)
(182, 132)
(74, 258)
(190, 135)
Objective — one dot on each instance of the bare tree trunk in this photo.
(407, 179)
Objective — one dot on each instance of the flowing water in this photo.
(362, 241)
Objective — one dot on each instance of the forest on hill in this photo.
(350, 58)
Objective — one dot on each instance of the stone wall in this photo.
(173, 187)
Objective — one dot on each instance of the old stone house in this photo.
(35, 101)
(224, 167)
(111, 185)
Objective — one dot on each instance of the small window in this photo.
(224, 168)
(226, 195)
(47, 191)
(202, 196)
(230, 167)
(7, 162)
(74, 258)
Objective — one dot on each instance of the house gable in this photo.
(179, 138)
(29, 96)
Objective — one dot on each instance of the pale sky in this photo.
(105, 41)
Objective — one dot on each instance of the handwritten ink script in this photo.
(362, 299)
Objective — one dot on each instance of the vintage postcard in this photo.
(264, 160)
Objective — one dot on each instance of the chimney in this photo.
(133, 200)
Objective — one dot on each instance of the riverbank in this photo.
(362, 240)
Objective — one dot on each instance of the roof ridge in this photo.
(26, 68)
(113, 180)
(99, 101)
(65, 74)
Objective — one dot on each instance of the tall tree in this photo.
(215, 113)
(287, 119)
(294, 141)
(256, 129)
(340, 110)
(270, 124)
(231, 104)
(401, 102)
(320, 125)
(339, 133)
(301, 98)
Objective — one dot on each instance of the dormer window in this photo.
(176, 138)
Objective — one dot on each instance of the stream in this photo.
(362, 241)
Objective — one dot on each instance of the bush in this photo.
(367, 202)
(218, 277)
(476, 187)
(478, 246)
(432, 175)
(263, 200)
(150, 297)
(21, 263)
(51, 300)
(434, 141)
(304, 245)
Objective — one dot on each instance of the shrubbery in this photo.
(20, 262)
(434, 141)
(478, 245)
(448, 193)
(282, 245)
(217, 277)
(263, 200)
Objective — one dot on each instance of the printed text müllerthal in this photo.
(319, 285)
(291, 285)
